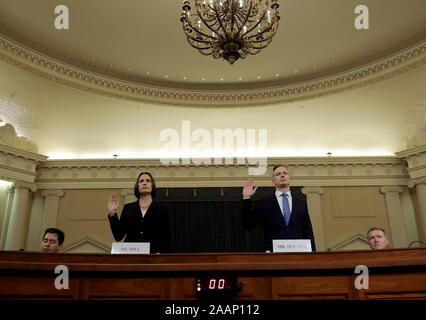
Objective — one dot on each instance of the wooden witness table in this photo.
(393, 274)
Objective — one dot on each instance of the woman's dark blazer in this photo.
(153, 228)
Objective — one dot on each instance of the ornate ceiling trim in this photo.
(49, 68)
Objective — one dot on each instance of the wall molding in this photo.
(416, 161)
(347, 242)
(214, 96)
(306, 171)
(87, 241)
(17, 164)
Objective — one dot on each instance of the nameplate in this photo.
(298, 245)
(130, 248)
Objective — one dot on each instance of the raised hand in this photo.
(112, 203)
(249, 189)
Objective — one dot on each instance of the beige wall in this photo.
(348, 211)
(346, 196)
(83, 213)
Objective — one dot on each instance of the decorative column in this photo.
(315, 213)
(10, 192)
(416, 161)
(19, 217)
(129, 195)
(50, 208)
(420, 185)
(396, 220)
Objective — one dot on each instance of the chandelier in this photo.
(230, 29)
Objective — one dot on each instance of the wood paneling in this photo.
(141, 288)
(311, 287)
(407, 286)
(36, 287)
(393, 274)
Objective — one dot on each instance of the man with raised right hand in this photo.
(284, 216)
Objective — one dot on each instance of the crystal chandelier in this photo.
(230, 29)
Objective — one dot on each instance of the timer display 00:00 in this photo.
(215, 284)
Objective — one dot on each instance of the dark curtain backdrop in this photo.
(209, 220)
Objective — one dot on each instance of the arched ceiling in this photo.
(133, 56)
(143, 41)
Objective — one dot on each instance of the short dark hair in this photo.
(376, 228)
(136, 188)
(61, 235)
(277, 166)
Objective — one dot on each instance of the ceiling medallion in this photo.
(230, 29)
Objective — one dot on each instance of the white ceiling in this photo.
(127, 39)
(315, 37)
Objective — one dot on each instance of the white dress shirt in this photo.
(280, 200)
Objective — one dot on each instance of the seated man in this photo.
(377, 239)
(52, 240)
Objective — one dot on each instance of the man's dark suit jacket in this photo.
(153, 228)
(268, 212)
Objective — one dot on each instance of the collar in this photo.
(278, 193)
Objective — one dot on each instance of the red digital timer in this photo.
(210, 286)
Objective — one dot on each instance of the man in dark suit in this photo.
(283, 215)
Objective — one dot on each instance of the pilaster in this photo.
(19, 217)
(396, 220)
(313, 197)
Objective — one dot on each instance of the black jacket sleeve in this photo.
(118, 225)
(308, 231)
(251, 215)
